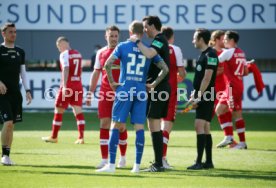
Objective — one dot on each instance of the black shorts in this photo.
(11, 107)
(158, 102)
(205, 110)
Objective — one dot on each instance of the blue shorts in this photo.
(131, 105)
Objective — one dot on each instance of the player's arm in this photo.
(205, 82)
(226, 55)
(92, 85)
(164, 71)
(65, 74)
(64, 61)
(212, 63)
(179, 62)
(3, 88)
(108, 67)
(25, 82)
(149, 52)
(181, 73)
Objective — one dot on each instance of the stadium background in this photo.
(39, 23)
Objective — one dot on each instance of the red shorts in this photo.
(105, 104)
(236, 94)
(73, 97)
(172, 108)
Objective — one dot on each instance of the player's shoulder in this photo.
(102, 50)
(19, 49)
(211, 52)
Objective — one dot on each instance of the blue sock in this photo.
(113, 144)
(140, 141)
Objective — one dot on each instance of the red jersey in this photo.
(235, 61)
(101, 57)
(176, 60)
(72, 59)
(221, 81)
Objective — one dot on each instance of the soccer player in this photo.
(130, 93)
(70, 91)
(158, 101)
(107, 96)
(235, 69)
(12, 67)
(225, 119)
(204, 81)
(176, 70)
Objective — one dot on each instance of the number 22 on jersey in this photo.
(137, 66)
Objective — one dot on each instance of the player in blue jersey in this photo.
(131, 93)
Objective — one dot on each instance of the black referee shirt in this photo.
(208, 59)
(160, 44)
(10, 61)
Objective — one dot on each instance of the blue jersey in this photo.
(134, 66)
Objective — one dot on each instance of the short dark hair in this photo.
(167, 31)
(153, 20)
(112, 28)
(204, 34)
(233, 35)
(6, 25)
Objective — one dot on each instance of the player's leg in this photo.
(123, 147)
(6, 140)
(56, 125)
(104, 114)
(157, 109)
(200, 144)
(208, 147)
(138, 118)
(166, 127)
(60, 105)
(139, 143)
(119, 117)
(10, 113)
(113, 144)
(240, 128)
(225, 120)
(80, 123)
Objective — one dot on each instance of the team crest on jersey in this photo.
(198, 68)
(212, 61)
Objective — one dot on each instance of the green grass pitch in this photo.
(65, 164)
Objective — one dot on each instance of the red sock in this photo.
(81, 124)
(57, 122)
(240, 128)
(225, 121)
(104, 137)
(166, 137)
(123, 142)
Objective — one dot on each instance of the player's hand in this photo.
(88, 99)
(114, 85)
(230, 102)
(29, 97)
(3, 88)
(150, 87)
(133, 38)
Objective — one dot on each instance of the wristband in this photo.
(28, 90)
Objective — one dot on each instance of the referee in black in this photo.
(12, 67)
(158, 99)
(203, 97)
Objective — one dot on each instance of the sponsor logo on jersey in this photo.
(212, 61)
(158, 44)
